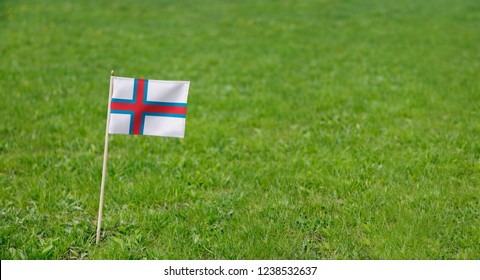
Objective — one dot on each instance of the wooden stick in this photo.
(105, 153)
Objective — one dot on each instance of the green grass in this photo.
(315, 130)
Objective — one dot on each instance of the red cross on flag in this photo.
(148, 107)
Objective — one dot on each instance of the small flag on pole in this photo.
(148, 107)
(144, 107)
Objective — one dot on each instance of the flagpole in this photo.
(105, 153)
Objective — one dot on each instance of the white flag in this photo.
(148, 107)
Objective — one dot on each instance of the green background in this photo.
(315, 130)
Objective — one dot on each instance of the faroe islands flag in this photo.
(148, 107)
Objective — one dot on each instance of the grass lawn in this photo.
(315, 130)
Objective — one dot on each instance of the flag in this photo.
(148, 107)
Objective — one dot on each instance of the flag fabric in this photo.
(148, 107)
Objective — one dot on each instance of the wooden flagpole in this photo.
(105, 153)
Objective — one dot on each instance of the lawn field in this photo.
(315, 130)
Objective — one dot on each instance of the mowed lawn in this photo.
(315, 130)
